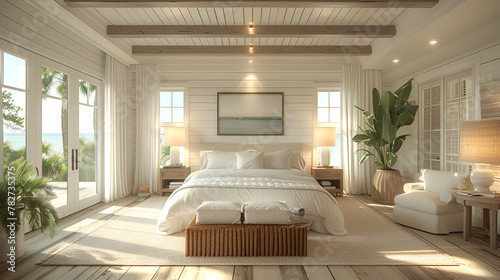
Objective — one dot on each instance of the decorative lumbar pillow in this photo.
(266, 212)
(440, 181)
(218, 213)
(278, 159)
(221, 160)
(249, 160)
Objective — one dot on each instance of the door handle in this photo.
(72, 159)
(77, 161)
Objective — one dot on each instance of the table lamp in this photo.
(480, 144)
(175, 137)
(325, 137)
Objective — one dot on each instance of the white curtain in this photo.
(358, 85)
(148, 128)
(116, 185)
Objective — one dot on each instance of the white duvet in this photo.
(297, 188)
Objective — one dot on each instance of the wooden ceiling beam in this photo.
(249, 3)
(203, 31)
(257, 50)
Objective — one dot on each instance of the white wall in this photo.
(204, 77)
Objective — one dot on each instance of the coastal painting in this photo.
(259, 113)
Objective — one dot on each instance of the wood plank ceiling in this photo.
(158, 27)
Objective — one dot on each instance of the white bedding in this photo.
(297, 188)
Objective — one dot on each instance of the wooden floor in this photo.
(478, 261)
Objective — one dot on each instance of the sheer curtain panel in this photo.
(116, 185)
(148, 128)
(358, 85)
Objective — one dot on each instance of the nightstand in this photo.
(333, 175)
(168, 175)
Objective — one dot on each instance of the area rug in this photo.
(373, 239)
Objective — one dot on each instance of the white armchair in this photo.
(430, 205)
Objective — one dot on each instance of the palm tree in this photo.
(52, 79)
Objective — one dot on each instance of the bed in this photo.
(235, 176)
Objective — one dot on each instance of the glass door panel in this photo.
(13, 71)
(87, 139)
(55, 133)
(14, 126)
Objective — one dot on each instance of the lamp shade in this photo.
(480, 141)
(324, 136)
(175, 136)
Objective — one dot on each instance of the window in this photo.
(14, 92)
(329, 114)
(459, 107)
(171, 114)
(171, 106)
(490, 108)
(444, 106)
(431, 136)
(329, 107)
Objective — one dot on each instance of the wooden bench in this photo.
(245, 240)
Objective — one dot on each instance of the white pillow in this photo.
(440, 181)
(203, 159)
(266, 212)
(218, 213)
(221, 160)
(297, 161)
(278, 159)
(250, 160)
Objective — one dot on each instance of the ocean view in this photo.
(18, 140)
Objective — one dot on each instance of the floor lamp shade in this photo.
(175, 137)
(324, 138)
(480, 144)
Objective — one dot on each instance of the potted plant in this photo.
(23, 195)
(391, 111)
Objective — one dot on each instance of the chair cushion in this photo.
(439, 181)
(427, 202)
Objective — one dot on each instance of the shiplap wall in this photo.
(298, 78)
(25, 26)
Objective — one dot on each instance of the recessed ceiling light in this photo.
(433, 42)
(395, 60)
(251, 60)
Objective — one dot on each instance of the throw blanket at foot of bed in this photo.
(246, 240)
(296, 188)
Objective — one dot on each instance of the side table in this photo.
(490, 208)
(168, 175)
(333, 175)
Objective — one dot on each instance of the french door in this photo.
(69, 153)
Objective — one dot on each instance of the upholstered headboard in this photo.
(304, 148)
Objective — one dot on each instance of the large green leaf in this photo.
(392, 158)
(386, 125)
(360, 137)
(403, 93)
(376, 102)
(365, 157)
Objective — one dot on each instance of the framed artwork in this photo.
(241, 113)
